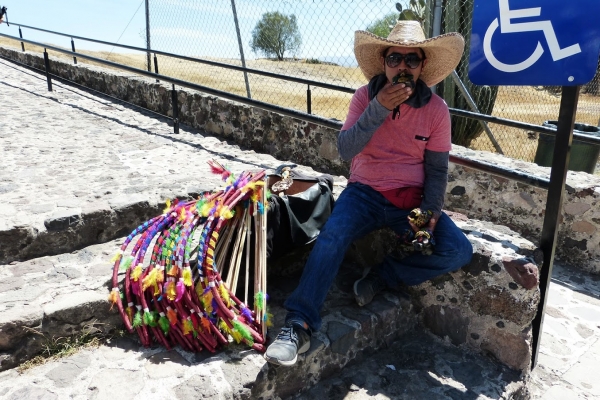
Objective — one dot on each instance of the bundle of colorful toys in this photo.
(176, 294)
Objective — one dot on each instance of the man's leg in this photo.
(356, 212)
(451, 252)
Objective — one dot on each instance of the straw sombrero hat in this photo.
(443, 52)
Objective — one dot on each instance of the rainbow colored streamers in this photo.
(171, 278)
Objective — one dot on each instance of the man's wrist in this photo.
(380, 106)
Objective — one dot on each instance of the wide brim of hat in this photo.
(443, 54)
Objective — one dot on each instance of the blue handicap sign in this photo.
(534, 42)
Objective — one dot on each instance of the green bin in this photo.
(584, 156)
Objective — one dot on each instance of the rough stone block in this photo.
(16, 322)
(488, 304)
(347, 334)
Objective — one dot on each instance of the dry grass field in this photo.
(521, 103)
(532, 105)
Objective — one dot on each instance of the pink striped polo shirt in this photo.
(394, 157)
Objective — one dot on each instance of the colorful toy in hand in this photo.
(420, 218)
(408, 80)
(404, 77)
(421, 241)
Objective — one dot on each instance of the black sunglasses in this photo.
(412, 60)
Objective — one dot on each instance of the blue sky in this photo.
(97, 19)
(195, 27)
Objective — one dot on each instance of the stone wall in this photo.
(488, 305)
(478, 195)
(522, 207)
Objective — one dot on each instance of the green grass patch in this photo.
(55, 348)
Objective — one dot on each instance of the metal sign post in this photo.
(558, 177)
(535, 44)
(239, 37)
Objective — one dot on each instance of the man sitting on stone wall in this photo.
(397, 134)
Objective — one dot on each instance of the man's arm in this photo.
(352, 140)
(436, 180)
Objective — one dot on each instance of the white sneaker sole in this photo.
(277, 361)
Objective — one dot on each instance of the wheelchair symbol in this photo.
(506, 26)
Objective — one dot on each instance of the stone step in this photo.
(487, 304)
(416, 365)
(67, 295)
(58, 296)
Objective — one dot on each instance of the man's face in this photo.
(390, 72)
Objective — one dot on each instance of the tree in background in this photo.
(275, 34)
(415, 11)
(382, 27)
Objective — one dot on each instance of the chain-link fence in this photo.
(207, 29)
(314, 40)
(227, 30)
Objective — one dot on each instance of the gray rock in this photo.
(32, 393)
(166, 364)
(32, 266)
(76, 307)
(341, 336)
(68, 370)
(110, 383)
(197, 387)
(11, 283)
(15, 323)
(241, 374)
(63, 219)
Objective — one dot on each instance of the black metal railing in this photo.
(457, 112)
(329, 123)
(230, 96)
(307, 82)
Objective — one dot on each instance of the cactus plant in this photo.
(458, 17)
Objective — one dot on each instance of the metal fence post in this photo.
(21, 36)
(175, 110)
(437, 27)
(463, 90)
(73, 47)
(308, 101)
(148, 36)
(156, 66)
(554, 202)
(239, 37)
(47, 65)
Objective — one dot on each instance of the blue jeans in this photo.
(358, 211)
